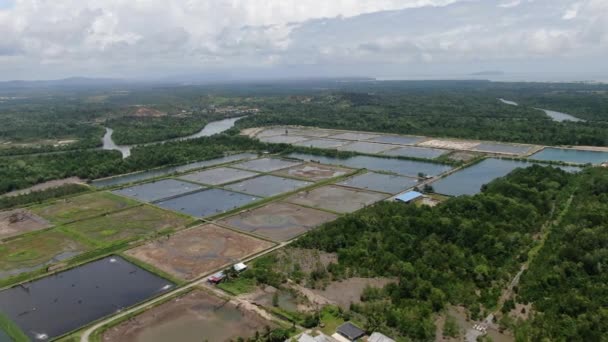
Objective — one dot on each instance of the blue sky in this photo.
(43, 39)
(6, 3)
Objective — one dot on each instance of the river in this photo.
(211, 128)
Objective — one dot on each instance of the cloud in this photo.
(154, 37)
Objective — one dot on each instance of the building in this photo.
(240, 267)
(350, 331)
(408, 197)
(378, 337)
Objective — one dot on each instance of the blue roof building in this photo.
(408, 196)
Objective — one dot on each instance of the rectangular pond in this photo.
(321, 143)
(154, 191)
(57, 304)
(366, 147)
(208, 202)
(380, 182)
(140, 176)
(266, 164)
(416, 152)
(266, 186)
(397, 140)
(501, 148)
(571, 155)
(469, 181)
(398, 166)
(220, 175)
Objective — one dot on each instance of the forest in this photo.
(567, 283)
(460, 253)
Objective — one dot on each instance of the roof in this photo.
(378, 337)
(350, 331)
(239, 267)
(408, 196)
(319, 338)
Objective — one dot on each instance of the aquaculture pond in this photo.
(57, 304)
(380, 182)
(398, 166)
(208, 202)
(416, 152)
(154, 191)
(571, 155)
(139, 176)
(469, 181)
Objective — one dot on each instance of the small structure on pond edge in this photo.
(350, 331)
(408, 197)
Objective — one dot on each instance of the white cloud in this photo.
(139, 37)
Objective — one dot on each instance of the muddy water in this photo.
(204, 322)
(571, 155)
(60, 303)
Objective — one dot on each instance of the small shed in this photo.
(378, 337)
(240, 267)
(350, 331)
(408, 197)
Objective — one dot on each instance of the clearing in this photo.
(314, 171)
(19, 221)
(335, 198)
(192, 253)
(82, 207)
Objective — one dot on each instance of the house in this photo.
(408, 197)
(321, 337)
(350, 331)
(378, 337)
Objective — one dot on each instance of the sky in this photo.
(232, 39)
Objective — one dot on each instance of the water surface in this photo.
(559, 117)
(397, 166)
(469, 181)
(57, 304)
(139, 176)
(571, 155)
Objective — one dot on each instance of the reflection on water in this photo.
(211, 128)
(559, 117)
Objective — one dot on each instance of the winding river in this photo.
(211, 128)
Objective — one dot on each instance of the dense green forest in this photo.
(41, 196)
(136, 130)
(441, 114)
(462, 252)
(567, 283)
(23, 171)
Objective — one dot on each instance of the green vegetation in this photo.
(240, 285)
(81, 207)
(137, 130)
(12, 330)
(461, 252)
(566, 283)
(31, 252)
(7, 202)
(126, 225)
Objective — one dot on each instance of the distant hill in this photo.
(488, 73)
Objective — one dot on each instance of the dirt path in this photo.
(488, 322)
(46, 185)
(199, 282)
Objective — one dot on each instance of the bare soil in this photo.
(279, 221)
(449, 144)
(148, 112)
(348, 291)
(314, 171)
(19, 221)
(195, 252)
(196, 316)
(336, 198)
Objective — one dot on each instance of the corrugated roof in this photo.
(408, 196)
(350, 331)
(378, 337)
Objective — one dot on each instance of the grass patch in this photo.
(238, 285)
(34, 251)
(127, 224)
(12, 330)
(82, 207)
(331, 318)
